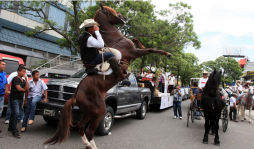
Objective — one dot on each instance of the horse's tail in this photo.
(63, 128)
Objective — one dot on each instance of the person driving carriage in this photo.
(201, 84)
(89, 46)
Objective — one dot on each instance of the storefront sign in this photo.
(250, 73)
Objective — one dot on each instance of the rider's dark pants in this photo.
(98, 58)
(232, 110)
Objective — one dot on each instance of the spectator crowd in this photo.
(22, 93)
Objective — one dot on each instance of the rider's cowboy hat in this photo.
(205, 72)
(88, 23)
(249, 81)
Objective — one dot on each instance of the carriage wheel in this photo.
(192, 116)
(225, 119)
(192, 106)
(188, 115)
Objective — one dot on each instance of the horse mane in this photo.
(108, 9)
(212, 86)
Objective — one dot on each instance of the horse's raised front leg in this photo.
(149, 50)
(141, 52)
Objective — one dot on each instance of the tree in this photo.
(171, 34)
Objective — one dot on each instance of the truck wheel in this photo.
(106, 123)
(141, 112)
(50, 120)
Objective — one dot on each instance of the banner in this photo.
(166, 102)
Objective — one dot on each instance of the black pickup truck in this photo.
(122, 100)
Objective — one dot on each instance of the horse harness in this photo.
(248, 101)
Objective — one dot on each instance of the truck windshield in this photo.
(11, 66)
(79, 74)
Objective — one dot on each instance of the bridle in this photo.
(108, 14)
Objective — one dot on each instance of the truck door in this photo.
(133, 90)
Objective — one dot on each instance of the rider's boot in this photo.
(114, 65)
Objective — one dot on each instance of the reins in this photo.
(108, 15)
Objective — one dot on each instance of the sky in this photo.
(219, 24)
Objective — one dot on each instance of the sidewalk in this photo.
(247, 114)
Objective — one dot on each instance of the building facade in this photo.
(13, 40)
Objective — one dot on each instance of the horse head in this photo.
(108, 14)
(213, 83)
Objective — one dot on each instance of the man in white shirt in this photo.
(201, 84)
(202, 81)
(171, 82)
(233, 107)
(89, 49)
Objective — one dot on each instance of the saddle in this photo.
(94, 69)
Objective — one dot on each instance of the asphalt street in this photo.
(157, 131)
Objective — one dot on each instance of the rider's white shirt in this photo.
(202, 82)
(228, 90)
(232, 100)
(240, 88)
(93, 42)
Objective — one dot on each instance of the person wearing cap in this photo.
(201, 84)
(89, 46)
(233, 107)
(229, 90)
(239, 87)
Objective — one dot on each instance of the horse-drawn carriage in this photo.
(194, 106)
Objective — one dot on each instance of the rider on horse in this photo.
(89, 48)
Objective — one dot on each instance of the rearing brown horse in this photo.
(91, 91)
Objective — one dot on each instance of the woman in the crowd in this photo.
(142, 73)
(149, 74)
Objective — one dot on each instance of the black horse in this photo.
(212, 105)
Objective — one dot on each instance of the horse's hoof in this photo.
(217, 144)
(169, 55)
(250, 122)
(89, 147)
(242, 120)
(205, 142)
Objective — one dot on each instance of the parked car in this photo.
(183, 94)
(187, 93)
(122, 100)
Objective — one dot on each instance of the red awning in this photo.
(242, 62)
